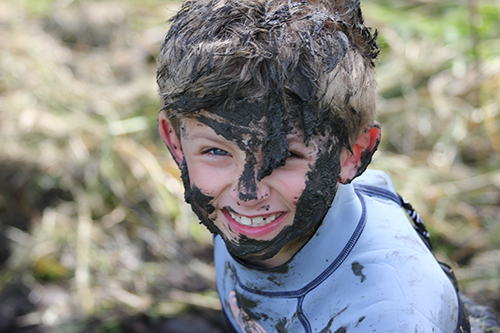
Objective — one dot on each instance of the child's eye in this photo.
(217, 151)
(296, 154)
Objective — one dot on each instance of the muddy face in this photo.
(257, 202)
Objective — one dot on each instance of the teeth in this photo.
(256, 221)
(245, 220)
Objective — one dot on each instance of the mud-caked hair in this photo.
(306, 60)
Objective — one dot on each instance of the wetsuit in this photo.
(365, 270)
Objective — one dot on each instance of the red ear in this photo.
(363, 149)
(170, 138)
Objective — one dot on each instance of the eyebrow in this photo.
(209, 136)
(218, 138)
(295, 138)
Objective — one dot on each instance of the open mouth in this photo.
(254, 227)
(255, 221)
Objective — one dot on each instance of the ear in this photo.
(355, 162)
(168, 135)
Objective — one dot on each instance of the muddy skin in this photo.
(314, 203)
(200, 203)
(266, 124)
(248, 141)
(267, 248)
(282, 105)
(255, 118)
(312, 206)
(202, 207)
(275, 144)
(247, 180)
(321, 184)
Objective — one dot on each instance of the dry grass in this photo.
(93, 227)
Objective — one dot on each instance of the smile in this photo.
(255, 221)
(255, 227)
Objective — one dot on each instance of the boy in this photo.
(268, 108)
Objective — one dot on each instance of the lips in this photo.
(255, 221)
(254, 227)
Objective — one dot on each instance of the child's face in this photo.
(256, 218)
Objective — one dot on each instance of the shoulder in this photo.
(401, 286)
(376, 178)
(395, 269)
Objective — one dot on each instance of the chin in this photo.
(246, 248)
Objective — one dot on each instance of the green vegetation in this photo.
(93, 228)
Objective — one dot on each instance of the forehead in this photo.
(246, 130)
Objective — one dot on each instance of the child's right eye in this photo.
(217, 151)
(296, 154)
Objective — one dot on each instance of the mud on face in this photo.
(311, 206)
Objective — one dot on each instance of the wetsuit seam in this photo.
(379, 192)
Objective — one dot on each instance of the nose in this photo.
(248, 191)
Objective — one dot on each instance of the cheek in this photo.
(293, 184)
(321, 187)
(199, 201)
(209, 180)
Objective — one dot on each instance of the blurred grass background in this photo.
(94, 234)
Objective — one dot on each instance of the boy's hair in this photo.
(302, 60)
